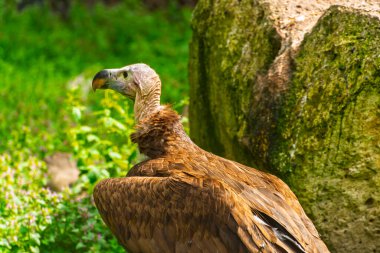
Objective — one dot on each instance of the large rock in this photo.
(305, 107)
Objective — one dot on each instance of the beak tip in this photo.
(100, 80)
(98, 84)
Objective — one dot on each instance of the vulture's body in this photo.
(184, 199)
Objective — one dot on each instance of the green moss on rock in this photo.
(321, 135)
(232, 43)
(329, 145)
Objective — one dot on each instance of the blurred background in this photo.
(57, 137)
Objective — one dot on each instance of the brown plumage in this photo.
(185, 199)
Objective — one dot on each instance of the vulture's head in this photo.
(136, 80)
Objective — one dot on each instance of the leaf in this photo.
(23, 229)
(42, 227)
(80, 245)
(77, 114)
(92, 137)
(114, 155)
(35, 237)
(5, 243)
(111, 122)
(85, 129)
(34, 249)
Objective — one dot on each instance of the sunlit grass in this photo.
(41, 58)
(40, 53)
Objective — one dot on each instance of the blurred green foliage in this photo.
(40, 52)
(35, 219)
(46, 106)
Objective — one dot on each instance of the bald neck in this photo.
(147, 102)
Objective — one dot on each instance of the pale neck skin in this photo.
(147, 101)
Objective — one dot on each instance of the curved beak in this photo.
(100, 80)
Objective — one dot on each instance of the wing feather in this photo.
(172, 208)
(276, 204)
(161, 214)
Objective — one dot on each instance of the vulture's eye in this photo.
(125, 74)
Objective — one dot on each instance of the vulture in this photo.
(185, 199)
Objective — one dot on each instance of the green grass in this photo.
(42, 112)
(40, 53)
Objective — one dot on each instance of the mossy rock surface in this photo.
(233, 42)
(328, 148)
(321, 133)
